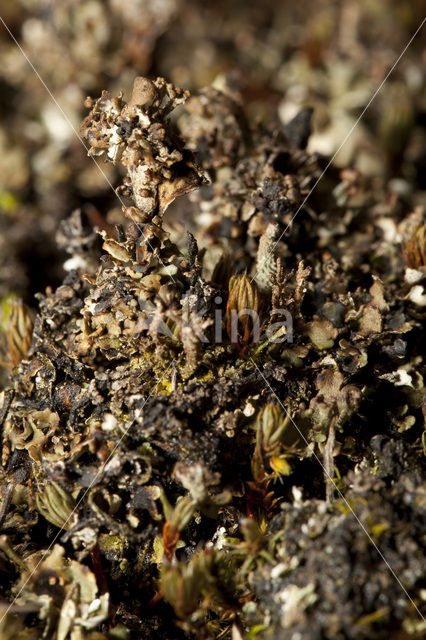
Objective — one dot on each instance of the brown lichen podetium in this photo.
(139, 134)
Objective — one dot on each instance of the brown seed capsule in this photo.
(242, 311)
(56, 505)
(19, 332)
(415, 248)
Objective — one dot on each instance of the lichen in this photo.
(202, 477)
